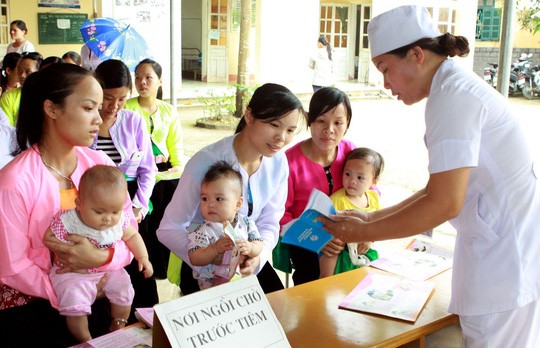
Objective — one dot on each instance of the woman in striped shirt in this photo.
(124, 137)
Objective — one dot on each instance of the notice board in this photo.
(60, 28)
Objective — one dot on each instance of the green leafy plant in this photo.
(529, 16)
(221, 106)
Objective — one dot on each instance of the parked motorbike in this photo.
(517, 74)
(490, 74)
(532, 83)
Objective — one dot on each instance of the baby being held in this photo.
(361, 172)
(209, 247)
(99, 216)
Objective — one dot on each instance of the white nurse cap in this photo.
(399, 27)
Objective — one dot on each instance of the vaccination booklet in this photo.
(307, 231)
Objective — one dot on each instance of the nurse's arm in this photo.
(441, 200)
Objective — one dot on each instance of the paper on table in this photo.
(146, 315)
(418, 261)
(390, 296)
(130, 337)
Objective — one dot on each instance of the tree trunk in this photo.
(243, 51)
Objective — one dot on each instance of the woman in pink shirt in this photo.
(58, 120)
(317, 163)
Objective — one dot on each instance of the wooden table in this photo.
(310, 316)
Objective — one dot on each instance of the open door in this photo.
(217, 68)
(362, 55)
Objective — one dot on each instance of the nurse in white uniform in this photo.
(482, 179)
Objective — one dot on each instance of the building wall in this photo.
(286, 36)
(28, 10)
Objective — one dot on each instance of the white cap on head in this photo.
(400, 27)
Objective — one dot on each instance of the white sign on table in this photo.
(236, 313)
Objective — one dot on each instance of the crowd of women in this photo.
(487, 187)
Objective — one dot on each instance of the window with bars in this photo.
(4, 23)
(488, 23)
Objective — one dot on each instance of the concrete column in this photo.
(505, 54)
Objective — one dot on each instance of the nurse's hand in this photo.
(346, 228)
(248, 265)
(334, 247)
(80, 255)
(364, 216)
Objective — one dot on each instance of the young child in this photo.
(361, 171)
(209, 247)
(98, 216)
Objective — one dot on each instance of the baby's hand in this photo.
(244, 247)
(138, 214)
(144, 264)
(363, 247)
(223, 244)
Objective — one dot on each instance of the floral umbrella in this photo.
(111, 39)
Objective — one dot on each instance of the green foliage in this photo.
(529, 16)
(221, 106)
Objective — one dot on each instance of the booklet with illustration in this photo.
(390, 296)
(420, 260)
(306, 231)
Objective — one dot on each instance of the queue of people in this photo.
(249, 183)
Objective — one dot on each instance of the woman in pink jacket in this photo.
(58, 120)
(316, 163)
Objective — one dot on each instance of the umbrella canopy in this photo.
(111, 39)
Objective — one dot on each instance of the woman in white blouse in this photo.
(269, 124)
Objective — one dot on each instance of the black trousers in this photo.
(306, 265)
(267, 277)
(157, 252)
(146, 294)
(37, 324)
(161, 196)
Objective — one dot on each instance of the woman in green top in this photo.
(161, 117)
(11, 100)
(166, 134)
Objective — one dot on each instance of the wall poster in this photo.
(60, 3)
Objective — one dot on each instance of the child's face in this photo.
(100, 208)
(220, 200)
(358, 176)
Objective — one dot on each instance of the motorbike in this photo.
(532, 83)
(517, 74)
(490, 74)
